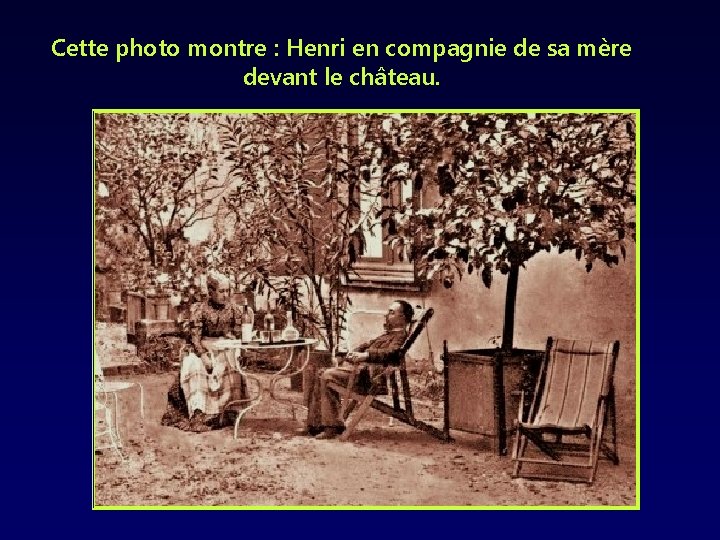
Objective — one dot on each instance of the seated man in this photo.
(323, 417)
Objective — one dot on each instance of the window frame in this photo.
(386, 272)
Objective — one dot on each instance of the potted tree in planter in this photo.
(512, 186)
(161, 298)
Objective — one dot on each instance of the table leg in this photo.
(281, 375)
(252, 403)
(270, 389)
(115, 426)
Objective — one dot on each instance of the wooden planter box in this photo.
(484, 388)
(155, 307)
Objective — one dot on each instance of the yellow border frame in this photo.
(636, 112)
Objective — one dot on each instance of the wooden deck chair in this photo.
(573, 402)
(356, 405)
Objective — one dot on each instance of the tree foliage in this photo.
(158, 176)
(291, 208)
(513, 185)
(508, 186)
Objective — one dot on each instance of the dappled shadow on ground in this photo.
(270, 465)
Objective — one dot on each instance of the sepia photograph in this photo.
(362, 309)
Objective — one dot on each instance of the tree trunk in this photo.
(505, 351)
(510, 297)
(151, 252)
(326, 312)
(168, 241)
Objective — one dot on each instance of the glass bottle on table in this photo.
(247, 321)
(290, 333)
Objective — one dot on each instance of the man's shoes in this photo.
(198, 427)
(198, 422)
(330, 433)
(310, 431)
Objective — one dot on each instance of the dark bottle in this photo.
(269, 323)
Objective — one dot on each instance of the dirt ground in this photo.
(269, 465)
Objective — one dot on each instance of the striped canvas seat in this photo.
(574, 396)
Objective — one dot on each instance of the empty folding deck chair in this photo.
(356, 405)
(573, 402)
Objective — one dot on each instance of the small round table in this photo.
(285, 371)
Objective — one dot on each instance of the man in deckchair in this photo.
(323, 419)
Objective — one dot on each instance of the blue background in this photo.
(47, 137)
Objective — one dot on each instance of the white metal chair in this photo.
(107, 410)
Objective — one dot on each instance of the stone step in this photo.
(116, 370)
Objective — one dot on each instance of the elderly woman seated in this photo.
(208, 380)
